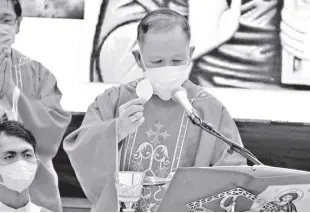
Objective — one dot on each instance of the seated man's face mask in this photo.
(18, 163)
(165, 79)
(18, 176)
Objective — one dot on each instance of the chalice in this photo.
(129, 187)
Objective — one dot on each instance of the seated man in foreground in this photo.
(29, 94)
(18, 167)
(126, 133)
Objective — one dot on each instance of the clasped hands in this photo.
(7, 84)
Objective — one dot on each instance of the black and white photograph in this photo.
(154, 105)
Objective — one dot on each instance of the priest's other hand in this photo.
(130, 117)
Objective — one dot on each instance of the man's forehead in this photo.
(170, 46)
(19, 149)
(9, 143)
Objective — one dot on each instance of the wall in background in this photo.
(64, 46)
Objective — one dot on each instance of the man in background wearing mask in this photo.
(18, 167)
(153, 136)
(29, 94)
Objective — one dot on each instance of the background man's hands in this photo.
(7, 84)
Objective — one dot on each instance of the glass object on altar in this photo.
(129, 187)
(156, 181)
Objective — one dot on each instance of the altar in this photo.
(277, 144)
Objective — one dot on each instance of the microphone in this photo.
(179, 95)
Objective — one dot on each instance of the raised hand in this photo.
(130, 117)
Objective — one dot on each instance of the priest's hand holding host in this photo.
(130, 118)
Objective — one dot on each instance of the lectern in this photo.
(238, 188)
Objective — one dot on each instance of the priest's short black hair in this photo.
(162, 19)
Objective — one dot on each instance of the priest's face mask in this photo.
(165, 57)
(9, 22)
(18, 162)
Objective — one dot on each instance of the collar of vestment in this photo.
(30, 207)
(18, 58)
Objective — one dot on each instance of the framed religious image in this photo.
(254, 45)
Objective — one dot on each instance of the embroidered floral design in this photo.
(154, 152)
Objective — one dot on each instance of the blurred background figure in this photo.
(72, 9)
(18, 167)
(33, 7)
(29, 94)
(64, 9)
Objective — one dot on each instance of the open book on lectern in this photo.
(250, 188)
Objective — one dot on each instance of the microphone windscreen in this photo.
(175, 91)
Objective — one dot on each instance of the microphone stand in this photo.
(234, 147)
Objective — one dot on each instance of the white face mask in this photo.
(165, 79)
(19, 175)
(7, 35)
